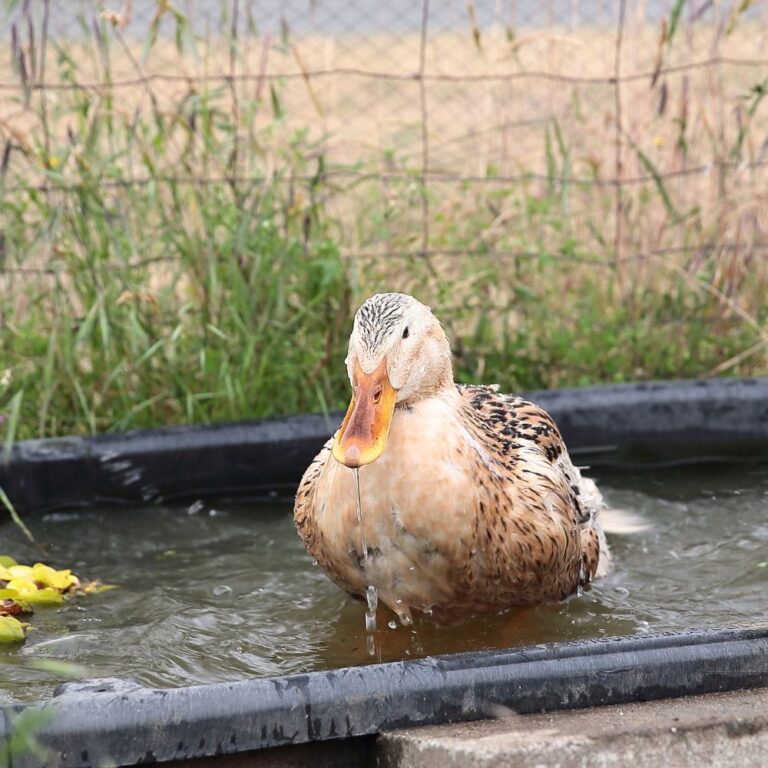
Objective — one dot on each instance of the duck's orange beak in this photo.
(363, 433)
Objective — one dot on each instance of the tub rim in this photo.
(621, 425)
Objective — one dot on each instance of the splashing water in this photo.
(372, 598)
(363, 543)
(371, 593)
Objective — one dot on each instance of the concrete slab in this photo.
(729, 729)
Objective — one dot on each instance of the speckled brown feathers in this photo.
(534, 507)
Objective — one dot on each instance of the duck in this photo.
(449, 499)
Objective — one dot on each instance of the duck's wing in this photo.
(524, 439)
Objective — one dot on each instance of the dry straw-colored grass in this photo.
(568, 229)
(475, 126)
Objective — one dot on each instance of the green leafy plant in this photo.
(22, 741)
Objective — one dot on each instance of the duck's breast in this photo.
(418, 505)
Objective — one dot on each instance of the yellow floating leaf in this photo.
(49, 577)
(22, 585)
(11, 604)
(45, 596)
(11, 594)
(11, 630)
(23, 571)
(43, 573)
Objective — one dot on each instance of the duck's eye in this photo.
(377, 395)
(405, 332)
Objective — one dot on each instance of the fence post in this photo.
(618, 241)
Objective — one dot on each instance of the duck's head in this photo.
(398, 354)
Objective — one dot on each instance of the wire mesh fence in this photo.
(459, 92)
(569, 93)
(493, 154)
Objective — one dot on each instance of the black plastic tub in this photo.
(120, 723)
